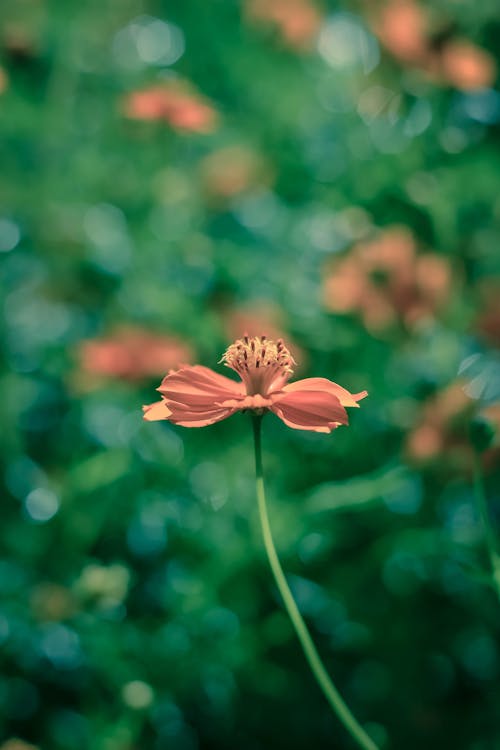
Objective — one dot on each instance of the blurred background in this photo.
(173, 175)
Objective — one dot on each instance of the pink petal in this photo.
(202, 422)
(247, 402)
(318, 411)
(187, 416)
(196, 396)
(323, 384)
(158, 410)
(199, 386)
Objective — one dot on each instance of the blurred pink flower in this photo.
(401, 26)
(433, 432)
(197, 396)
(132, 353)
(385, 280)
(408, 30)
(232, 170)
(175, 103)
(261, 316)
(441, 429)
(466, 66)
(254, 317)
(297, 21)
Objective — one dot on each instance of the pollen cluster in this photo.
(250, 354)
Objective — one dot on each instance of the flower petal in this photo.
(199, 386)
(247, 402)
(188, 416)
(318, 411)
(195, 397)
(323, 384)
(156, 411)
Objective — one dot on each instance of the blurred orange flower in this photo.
(434, 429)
(405, 28)
(385, 281)
(175, 103)
(297, 21)
(442, 428)
(466, 66)
(132, 353)
(253, 318)
(401, 26)
(232, 170)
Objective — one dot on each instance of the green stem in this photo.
(331, 693)
(489, 535)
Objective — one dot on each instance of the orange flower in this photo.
(132, 353)
(442, 429)
(436, 431)
(232, 170)
(197, 396)
(262, 315)
(466, 66)
(174, 103)
(385, 279)
(402, 28)
(410, 32)
(297, 20)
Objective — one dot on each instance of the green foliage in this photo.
(137, 610)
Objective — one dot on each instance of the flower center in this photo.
(263, 365)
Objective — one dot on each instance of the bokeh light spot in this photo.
(10, 235)
(137, 694)
(41, 504)
(344, 43)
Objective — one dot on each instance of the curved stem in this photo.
(330, 691)
(487, 528)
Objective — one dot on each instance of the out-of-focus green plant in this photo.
(174, 174)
